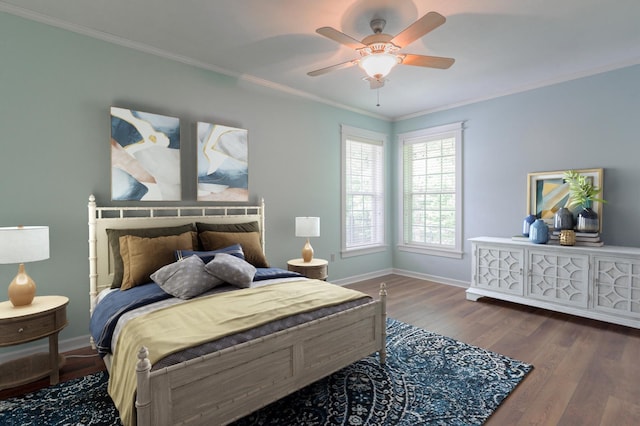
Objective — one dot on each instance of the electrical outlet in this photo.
(333, 257)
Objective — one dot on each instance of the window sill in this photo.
(362, 251)
(452, 253)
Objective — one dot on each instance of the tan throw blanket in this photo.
(202, 320)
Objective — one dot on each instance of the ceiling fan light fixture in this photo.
(378, 65)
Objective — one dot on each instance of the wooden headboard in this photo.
(103, 218)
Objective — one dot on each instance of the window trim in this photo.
(375, 138)
(454, 129)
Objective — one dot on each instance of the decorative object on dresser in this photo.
(315, 268)
(589, 239)
(526, 224)
(567, 237)
(563, 219)
(583, 193)
(45, 317)
(547, 192)
(23, 244)
(594, 282)
(539, 232)
(307, 227)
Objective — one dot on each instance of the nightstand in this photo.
(316, 268)
(44, 317)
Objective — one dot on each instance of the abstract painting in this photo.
(145, 156)
(223, 167)
(547, 192)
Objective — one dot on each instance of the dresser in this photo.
(601, 283)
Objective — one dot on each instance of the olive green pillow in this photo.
(114, 241)
(142, 256)
(249, 241)
(228, 227)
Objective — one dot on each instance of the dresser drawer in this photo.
(27, 329)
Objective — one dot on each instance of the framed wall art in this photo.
(223, 166)
(548, 191)
(145, 156)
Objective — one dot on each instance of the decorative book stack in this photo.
(591, 239)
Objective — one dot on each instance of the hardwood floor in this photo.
(585, 372)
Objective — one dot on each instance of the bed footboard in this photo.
(224, 386)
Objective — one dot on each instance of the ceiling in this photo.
(500, 46)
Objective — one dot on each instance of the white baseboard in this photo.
(65, 345)
(362, 277)
(433, 278)
(411, 274)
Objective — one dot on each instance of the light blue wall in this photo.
(586, 123)
(56, 88)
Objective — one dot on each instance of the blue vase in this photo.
(563, 219)
(526, 224)
(539, 232)
(587, 221)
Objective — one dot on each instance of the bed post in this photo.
(93, 259)
(262, 237)
(383, 304)
(143, 396)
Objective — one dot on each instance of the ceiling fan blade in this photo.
(427, 61)
(422, 26)
(333, 68)
(340, 37)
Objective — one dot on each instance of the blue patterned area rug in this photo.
(77, 402)
(429, 379)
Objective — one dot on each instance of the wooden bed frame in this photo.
(224, 386)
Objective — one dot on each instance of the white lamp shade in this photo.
(307, 227)
(21, 244)
(378, 65)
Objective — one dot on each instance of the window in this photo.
(431, 200)
(363, 196)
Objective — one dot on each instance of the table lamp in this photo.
(23, 244)
(307, 227)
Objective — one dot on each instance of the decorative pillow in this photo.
(271, 273)
(114, 235)
(185, 278)
(232, 270)
(250, 242)
(141, 256)
(228, 227)
(207, 256)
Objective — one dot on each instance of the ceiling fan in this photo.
(379, 51)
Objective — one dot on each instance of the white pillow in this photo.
(185, 278)
(231, 269)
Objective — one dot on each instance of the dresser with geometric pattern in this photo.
(602, 283)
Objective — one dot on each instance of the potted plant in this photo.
(582, 193)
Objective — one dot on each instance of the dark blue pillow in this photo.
(207, 256)
(271, 273)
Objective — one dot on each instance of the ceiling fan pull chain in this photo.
(378, 90)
